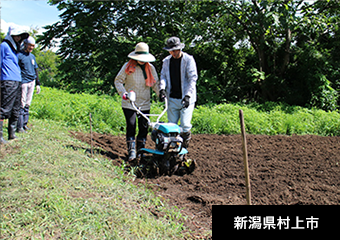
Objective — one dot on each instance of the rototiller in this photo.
(169, 155)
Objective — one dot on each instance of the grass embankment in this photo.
(49, 190)
(270, 118)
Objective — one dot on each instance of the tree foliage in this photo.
(246, 50)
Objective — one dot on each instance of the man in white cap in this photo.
(137, 75)
(30, 78)
(178, 84)
(10, 81)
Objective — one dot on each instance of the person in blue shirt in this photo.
(30, 78)
(10, 81)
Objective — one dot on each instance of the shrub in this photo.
(73, 110)
(107, 116)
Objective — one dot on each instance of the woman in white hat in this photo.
(137, 75)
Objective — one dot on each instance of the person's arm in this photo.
(37, 82)
(155, 87)
(1, 55)
(164, 72)
(192, 77)
(120, 81)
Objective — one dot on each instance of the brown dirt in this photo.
(283, 170)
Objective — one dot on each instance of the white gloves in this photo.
(38, 89)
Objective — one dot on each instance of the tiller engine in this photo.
(168, 157)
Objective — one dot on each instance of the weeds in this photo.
(72, 110)
(268, 119)
(49, 191)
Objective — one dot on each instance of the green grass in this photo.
(49, 190)
(72, 110)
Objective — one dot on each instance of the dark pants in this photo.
(10, 100)
(130, 117)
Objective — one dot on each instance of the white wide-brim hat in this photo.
(141, 53)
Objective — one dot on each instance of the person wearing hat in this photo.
(178, 84)
(10, 81)
(137, 75)
(30, 78)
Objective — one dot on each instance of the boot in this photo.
(12, 127)
(20, 126)
(140, 144)
(2, 140)
(26, 117)
(131, 144)
(186, 139)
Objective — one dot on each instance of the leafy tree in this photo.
(269, 27)
(245, 49)
(313, 76)
(48, 62)
(274, 29)
(97, 36)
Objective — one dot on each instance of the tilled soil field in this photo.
(283, 170)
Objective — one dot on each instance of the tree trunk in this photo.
(287, 51)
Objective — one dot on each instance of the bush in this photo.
(269, 118)
(107, 116)
(73, 110)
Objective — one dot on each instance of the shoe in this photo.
(186, 139)
(131, 144)
(140, 145)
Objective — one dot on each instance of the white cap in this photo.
(30, 40)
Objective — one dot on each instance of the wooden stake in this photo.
(245, 158)
(91, 135)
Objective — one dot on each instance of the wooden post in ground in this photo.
(245, 158)
(91, 135)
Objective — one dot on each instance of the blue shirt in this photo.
(28, 65)
(10, 69)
